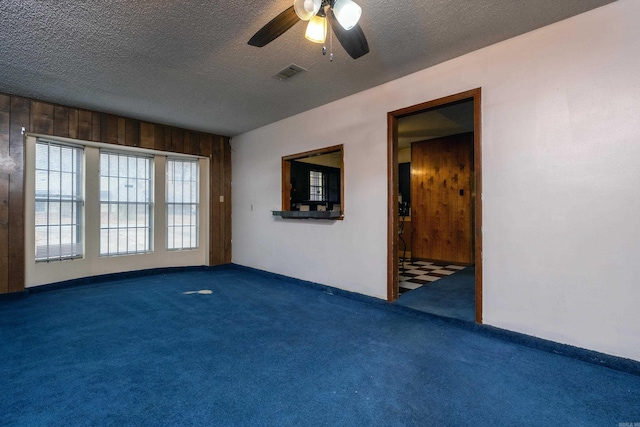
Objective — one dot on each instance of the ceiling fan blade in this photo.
(353, 40)
(275, 28)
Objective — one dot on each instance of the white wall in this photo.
(92, 264)
(561, 179)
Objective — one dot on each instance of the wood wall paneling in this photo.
(61, 122)
(191, 143)
(177, 140)
(186, 147)
(158, 138)
(20, 113)
(169, 139)
(48, 119)
(220, 201)
(168, 136)
(195, 143)
(5, 169)
(85, 121)
(441, 204)
(122, 131)
(205, 144)
(109, 129)
(147, 132)
(95, 127)
(74, 120)
(132, 133)
(41, 120)
(214, 207)
(198, 143)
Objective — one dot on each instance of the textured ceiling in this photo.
(187, 63)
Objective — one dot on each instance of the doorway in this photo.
(464, 228)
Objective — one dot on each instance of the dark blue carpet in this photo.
(262, 351)
(451, 296)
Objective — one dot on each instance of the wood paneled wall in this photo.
(56, 120)
(442, 199)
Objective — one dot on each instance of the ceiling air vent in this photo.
(288, 72)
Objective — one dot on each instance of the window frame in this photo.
(320, 194)
(194, 234)
(148, 205)
(76, 200)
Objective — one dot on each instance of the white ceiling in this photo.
(187, 63)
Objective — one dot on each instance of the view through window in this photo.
(316, 186)
(182, 204)
(58, 201)
(125, 203)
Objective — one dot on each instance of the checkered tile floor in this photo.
(417, 273)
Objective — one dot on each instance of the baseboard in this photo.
(14, 295)
(590, 356)
(92, 280)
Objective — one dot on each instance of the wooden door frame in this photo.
(393, 179)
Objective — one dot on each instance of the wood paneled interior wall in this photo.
(442, 199)
(56, 120)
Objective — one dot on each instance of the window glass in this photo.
(182, 204)
(59, 201)
(125, 204)
(316, 186)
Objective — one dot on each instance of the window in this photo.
(58, 201)
(182, 204)
(312, 184)
(125, 204)
(316, 187)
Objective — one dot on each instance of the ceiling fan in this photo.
(343, 16)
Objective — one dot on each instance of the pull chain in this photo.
(331, 44)
(324, 47)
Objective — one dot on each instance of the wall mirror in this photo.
(313, 184)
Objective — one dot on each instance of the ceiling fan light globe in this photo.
(306, 9)
(316, 29)
(347, 13)
(309, 5)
